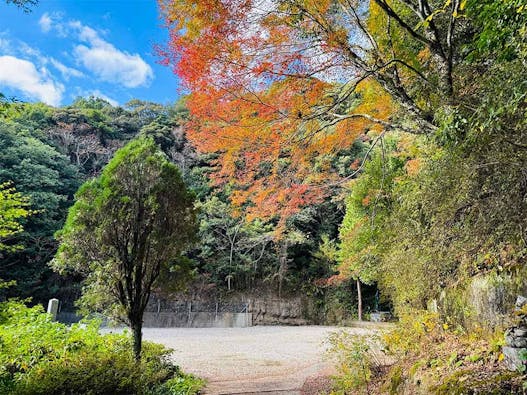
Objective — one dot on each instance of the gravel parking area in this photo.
(260, 360)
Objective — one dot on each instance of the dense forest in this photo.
(337, 150)
(49, 152)
(435, 91)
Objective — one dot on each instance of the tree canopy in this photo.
(13, 208)
(126, 227)
(282, 85)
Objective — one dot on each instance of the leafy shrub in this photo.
(39, 356)
(339, 304)
(358, 359)
(411, 331)
(181, 385)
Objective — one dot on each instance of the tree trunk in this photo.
(282, 270)
(359, 300)
(137, 327)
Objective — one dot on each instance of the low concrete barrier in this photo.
(196, 320)
(179, 320)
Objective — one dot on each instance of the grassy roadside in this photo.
(422, 355)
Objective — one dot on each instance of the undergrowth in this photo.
(423, 355)
(39, 356)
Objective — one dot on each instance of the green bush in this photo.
(39, 356)
(181, 385)
(340, 304)
(358, 358)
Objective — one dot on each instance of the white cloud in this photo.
(87, 34)
(45, 23)
(107, 62)
(53, 21)
(27, 50)
(42, 60)
(22, 75)
(100, 95)
(67, 72)
(112, 65)
(97, 55)
(5, 45)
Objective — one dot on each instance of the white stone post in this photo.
(53, 308)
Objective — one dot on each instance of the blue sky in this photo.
(69, 48)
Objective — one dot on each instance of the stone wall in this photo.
(235, 310)
(263, 307)
(283, 311)
(485, 300)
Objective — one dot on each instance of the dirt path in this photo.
(257, 360)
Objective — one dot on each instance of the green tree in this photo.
(127, 226)
(13, 207)
(501, 27)
(367, 207)
(234, 251)
(46, 177)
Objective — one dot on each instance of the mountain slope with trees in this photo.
(334, 146)
(437, 90)
(63, 147)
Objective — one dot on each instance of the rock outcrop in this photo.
(515, 349)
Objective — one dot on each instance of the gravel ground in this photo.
(260, 360)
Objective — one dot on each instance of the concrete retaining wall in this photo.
(273, 311)
(68, 317)
(196, 320)
(180, 320)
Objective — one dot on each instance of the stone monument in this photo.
(53, 308)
